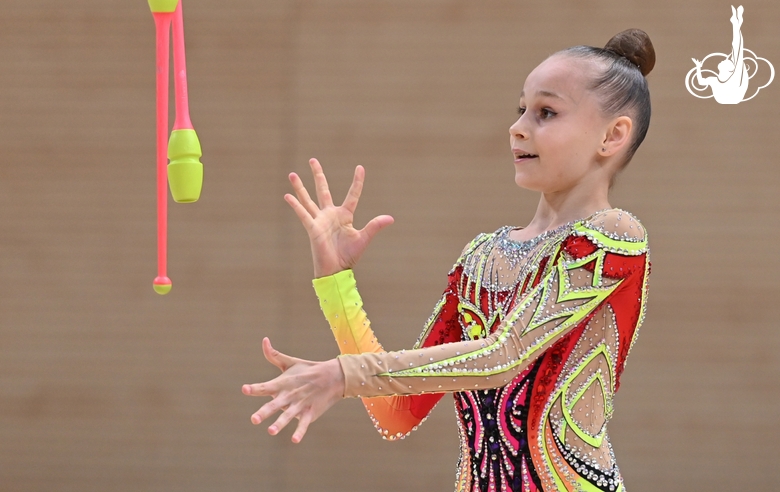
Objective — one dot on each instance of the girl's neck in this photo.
(558, 208)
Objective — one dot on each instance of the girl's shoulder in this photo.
(481, 239)
(614, 230)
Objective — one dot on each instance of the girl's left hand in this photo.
(304, 390)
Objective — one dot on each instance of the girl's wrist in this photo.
(327, 270)
(327, 273)
(339, 380)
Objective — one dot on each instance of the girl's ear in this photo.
(617, 137)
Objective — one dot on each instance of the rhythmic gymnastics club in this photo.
(162, 10)
(187, 173)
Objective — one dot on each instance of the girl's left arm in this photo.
(394, 416)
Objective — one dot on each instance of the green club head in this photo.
(163, 6)
(185, 171)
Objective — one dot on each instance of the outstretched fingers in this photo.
(293, 411)
(375, 225)
(269, 388)
(320, 184)
(289, 413)
(353, 195)
(303, 425)
(303, 194)
(303, 214)
(280, 360)
(282, 402)
(350, 203)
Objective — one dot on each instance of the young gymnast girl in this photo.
(533, 330)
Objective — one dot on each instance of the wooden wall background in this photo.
(105, 385)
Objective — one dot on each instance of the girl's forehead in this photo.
(564, 76)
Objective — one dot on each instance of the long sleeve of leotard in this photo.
(591, 266)
(393, 416)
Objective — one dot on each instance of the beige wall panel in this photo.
(106, 386)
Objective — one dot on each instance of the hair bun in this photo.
(635, 45)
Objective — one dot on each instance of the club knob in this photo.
(162, 285)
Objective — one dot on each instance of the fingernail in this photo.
(255, 419)
(272, 429)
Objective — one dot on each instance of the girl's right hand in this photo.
(335, 243)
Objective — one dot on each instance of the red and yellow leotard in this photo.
(531, 337)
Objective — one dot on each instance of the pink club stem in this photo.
(182, 121)
(162, 22)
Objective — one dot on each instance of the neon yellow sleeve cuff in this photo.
(343, 308)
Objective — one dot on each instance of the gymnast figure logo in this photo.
(730, 84)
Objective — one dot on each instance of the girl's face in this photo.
(561, 129)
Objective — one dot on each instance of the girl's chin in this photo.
(523, 180)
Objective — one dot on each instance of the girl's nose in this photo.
(517, 131)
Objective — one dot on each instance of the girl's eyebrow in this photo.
(544, 93)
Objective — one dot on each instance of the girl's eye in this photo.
(544, 113)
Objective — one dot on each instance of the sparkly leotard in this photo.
(531, 337)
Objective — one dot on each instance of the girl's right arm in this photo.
(597, 265)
